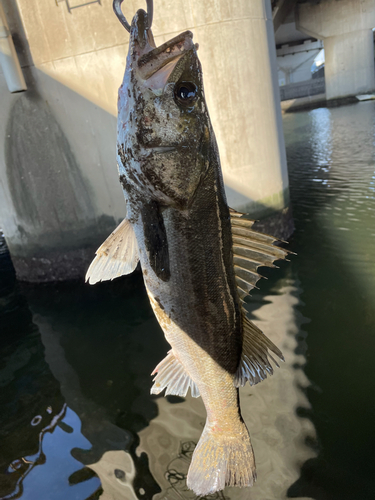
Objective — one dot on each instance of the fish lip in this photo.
(154, 60)
(181, 38)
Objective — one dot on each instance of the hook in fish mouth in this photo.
(122, 19)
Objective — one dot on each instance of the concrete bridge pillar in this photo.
(238, 57)
(59, 191)
(346, 30)
(349, 64)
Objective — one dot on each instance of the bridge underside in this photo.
(343, 29)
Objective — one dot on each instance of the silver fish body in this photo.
(198, 258)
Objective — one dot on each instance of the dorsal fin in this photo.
(251, 250)
(117, 256)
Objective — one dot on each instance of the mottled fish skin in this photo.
(170, 171)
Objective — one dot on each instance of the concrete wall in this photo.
(59, 192)
(308, 88)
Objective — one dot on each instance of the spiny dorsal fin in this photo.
(255, 362)
(250, 251)
(117, 256)
(171, 375)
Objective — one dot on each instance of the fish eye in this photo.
(185, 92)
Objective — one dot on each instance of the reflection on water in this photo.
(321, 143)
(57, 445)
(77, 421)
(333, 198)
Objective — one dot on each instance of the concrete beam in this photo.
(306, 46)
(294, 62)
(297, 67)
(334, 18)
(287, 32)
(280, 12)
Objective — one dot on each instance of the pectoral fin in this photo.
(117, 256)
(171, 375)
(251, 250)
(255, 362)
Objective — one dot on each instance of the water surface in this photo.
(77, 421)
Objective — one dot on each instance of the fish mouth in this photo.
(159, 57)
(155, 64)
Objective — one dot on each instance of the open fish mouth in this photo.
(165, 55)
(154, 64)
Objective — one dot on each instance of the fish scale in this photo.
(198, 257)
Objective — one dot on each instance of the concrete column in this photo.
(346, 30)
(240, 74)
(59, 190)
(349, 64)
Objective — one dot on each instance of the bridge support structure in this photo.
(346, 30)
(295, 61)
(244, 104)
(59, 191)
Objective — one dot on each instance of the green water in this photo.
(75, 360)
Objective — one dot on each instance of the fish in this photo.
(199, 258)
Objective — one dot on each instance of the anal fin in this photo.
(172, 376)
(255, 364)
(117, 256)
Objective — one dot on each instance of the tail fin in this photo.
(221, 460)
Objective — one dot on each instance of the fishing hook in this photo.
(122, 19)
